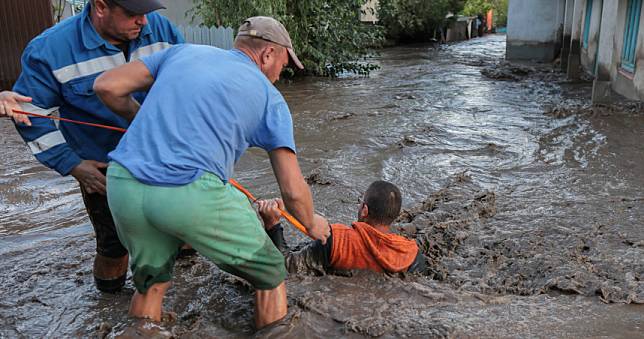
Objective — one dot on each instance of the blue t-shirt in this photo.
(205, 108)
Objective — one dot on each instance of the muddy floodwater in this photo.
(529, 203)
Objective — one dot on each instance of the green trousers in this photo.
(214, 218)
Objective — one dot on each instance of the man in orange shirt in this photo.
(367, 244)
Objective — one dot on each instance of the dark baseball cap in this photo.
(140, 6)
(269, 29)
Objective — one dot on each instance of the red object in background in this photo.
(490, 20)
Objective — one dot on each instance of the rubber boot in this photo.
(110, 273)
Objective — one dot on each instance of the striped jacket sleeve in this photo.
(43, 138)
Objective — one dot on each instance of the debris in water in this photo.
(317, 178)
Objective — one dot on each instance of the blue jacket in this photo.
(58, 71)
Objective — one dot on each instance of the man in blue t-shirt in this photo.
(168, 179)
(59, 67)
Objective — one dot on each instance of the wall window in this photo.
(631, 32)
(589, 15)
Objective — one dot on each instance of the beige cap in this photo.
(269, 29)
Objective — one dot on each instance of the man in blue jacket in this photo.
(58, 70)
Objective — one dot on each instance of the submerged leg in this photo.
(110, 273)
(110, 263)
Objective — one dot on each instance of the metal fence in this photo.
(221, 37)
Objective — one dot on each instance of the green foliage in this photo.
(415, 20)
(500, 8)
(476, 7)
(501, 13)
(327, 34)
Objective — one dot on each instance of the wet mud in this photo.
(442, 222)
(533, 262)
(506, 70)
(527, 201)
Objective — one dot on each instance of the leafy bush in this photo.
(327, 34)
(415, 20)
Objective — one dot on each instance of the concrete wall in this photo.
(609, 42)
(535, 29)
(622, 82)
(602, 91)
(589, 53)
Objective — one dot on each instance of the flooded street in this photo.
(529, 203)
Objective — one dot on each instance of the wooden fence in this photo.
(221, 37)
(20, 21)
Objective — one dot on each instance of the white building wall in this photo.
(176, 11)
(606, 43)
(622, 82)
(535, 29)
(605, 53)
(607, 39)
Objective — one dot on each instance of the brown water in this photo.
(530, 203)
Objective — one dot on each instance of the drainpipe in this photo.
(567, 31)
(574, 57)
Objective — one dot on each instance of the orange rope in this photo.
(285, 214)
(233, 182)
(118, 129)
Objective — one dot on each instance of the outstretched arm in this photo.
(313, 258)
(115, 87)
(10, 101)
(296, 193)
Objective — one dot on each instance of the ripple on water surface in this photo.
(530, 210)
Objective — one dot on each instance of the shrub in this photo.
(327, 34)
